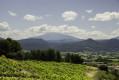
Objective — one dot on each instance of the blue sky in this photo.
(97, 19)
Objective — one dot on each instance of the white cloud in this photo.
(98, 35)
(12, 13)
(83, 17)
(89, 11)
(64, 29)
(69, 15)
(29, 17)
(106, 16)
(4, 26)
(41, 17)
(115, 33)
(93, 26)
(15, 34)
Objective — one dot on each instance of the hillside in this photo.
(31, 69)
(86, 45)
(30, 44)
(75, 46)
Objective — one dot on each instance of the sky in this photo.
(96, 19)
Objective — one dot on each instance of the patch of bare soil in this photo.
(92, 73)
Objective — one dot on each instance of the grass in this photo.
(115, 63)
(114, 59)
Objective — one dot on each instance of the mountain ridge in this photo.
(76, 46)
(57, 37)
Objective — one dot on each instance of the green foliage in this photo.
(92, 64)
(51, 55)
(10, 68)
(58, 56)
(41, 70)
(103, 67)
(74, 58)
(46, 55)
(68, 57)
(57, 71)
(116, 73)
(103, 75)
(9, 45)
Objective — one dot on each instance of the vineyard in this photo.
(41, 70)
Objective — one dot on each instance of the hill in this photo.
(110, 45)
(33, 70)
(57, 37)
(75, 46)
(91, 45)
(86, 45)
(30, 44)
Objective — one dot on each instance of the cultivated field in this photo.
(41, 70)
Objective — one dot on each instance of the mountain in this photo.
(75, 46)
(30, 44)
(115, 38)
(57, 37)
(111, 44)
(1, 38)
(86, 45)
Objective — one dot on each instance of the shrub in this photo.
(103, 67)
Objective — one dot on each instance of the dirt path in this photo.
(92, 73)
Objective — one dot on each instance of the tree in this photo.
(44, 55)
(72, 58)
(103, 67)
(116, 73)
(21, 55)
(9, 45)
(58, 56)
(75, 58)
(36, 54)
(99, 59)
(4, 47)
(68, 57)
(51, 55)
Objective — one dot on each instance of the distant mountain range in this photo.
(76, 46)
(57, 37)
(68, 43)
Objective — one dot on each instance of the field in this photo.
(41, 70)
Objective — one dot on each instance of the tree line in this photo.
(74, 58)
(12, 49)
